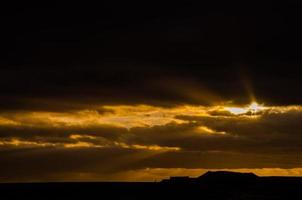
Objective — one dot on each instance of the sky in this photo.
(144, 91)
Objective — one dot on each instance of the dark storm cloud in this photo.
(18, 165)
(112, 55)
(71, 89)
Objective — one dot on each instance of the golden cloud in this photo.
(145, 127)
(133, 116)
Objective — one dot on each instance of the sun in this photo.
(253, 108)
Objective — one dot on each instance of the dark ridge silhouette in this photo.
(219, 185)
(215, 177)
(225, 176)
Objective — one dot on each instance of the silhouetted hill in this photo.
(226, 176)
(210, 186)
(215, 177)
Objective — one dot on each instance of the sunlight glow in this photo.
(236, 111)
(253, 108)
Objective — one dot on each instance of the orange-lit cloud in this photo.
(19, 143)
(182, 139)
(131, 116)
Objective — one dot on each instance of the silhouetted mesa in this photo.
(210, 186)
(215, 177)
(225, 176)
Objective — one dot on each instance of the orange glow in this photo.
(254, 108)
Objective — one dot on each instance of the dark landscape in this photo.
(212, 185)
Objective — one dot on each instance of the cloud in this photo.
(118, 164)
(132, 138)
(117, 116)
(192, 128)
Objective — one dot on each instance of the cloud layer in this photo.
(114, 140)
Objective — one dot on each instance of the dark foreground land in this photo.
(212, 188)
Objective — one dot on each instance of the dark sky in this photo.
(59, 60)
(54, 50)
